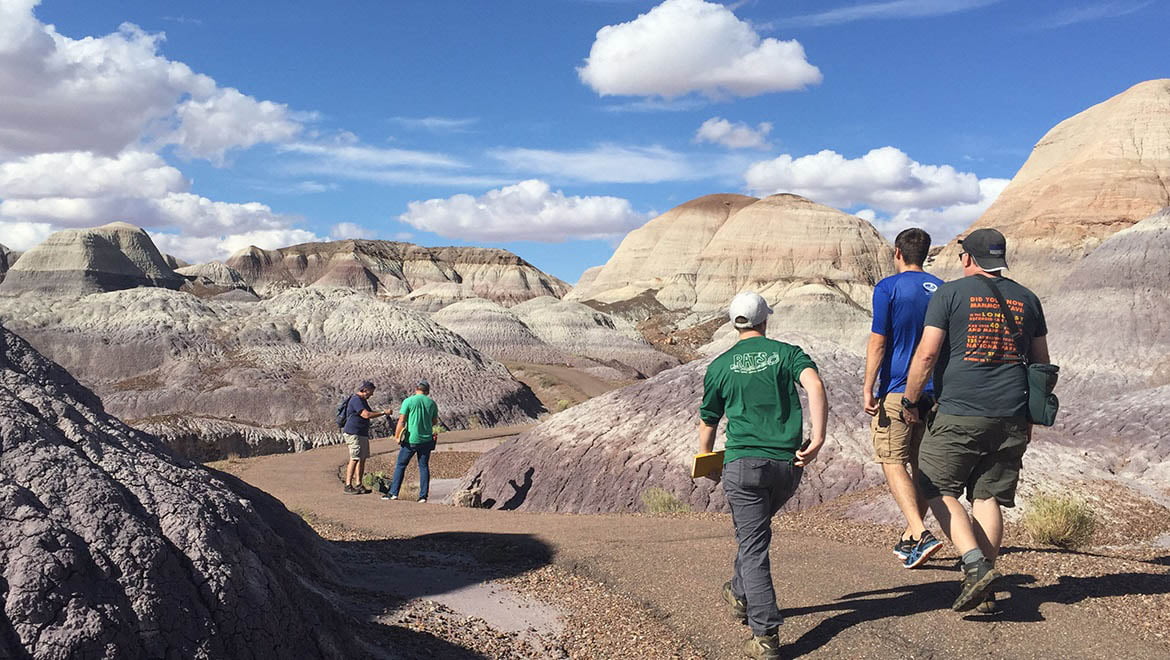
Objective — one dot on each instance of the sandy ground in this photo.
(647, 586)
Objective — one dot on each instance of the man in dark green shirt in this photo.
(754, 385)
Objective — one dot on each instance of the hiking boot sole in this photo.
(968, 601)
(923, 557)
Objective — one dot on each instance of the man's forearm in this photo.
(920, 369)
(706, 438)
(818, 411)
(874, 354)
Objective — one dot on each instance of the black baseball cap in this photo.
(366, 386)
(987, 247)
(423, 386)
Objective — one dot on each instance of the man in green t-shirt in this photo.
(418, 416)
(754, 385)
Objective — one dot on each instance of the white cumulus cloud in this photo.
(201, 249)
(105, 94)
(86, 175)
(529, 210)
(943, 223)
(885, 178)
(22, 236)
(344, 230)
(736, 135)
(685, 46)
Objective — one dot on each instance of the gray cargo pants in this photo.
(756, 488)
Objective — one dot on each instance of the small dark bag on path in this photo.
(1042, 403)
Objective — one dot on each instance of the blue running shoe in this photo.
(903, 547)
(926, 546)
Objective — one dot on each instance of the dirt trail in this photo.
(840, 600)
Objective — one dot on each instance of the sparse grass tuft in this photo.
(1062, 521)
(370, 477)
(563, 405)
(657, 500)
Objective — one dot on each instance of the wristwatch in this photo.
(907, 403)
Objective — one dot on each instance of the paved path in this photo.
(840, 600)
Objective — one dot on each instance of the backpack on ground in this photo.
(342, 413)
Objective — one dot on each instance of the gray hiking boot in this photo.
(989, 606)
(762, 647)
(978, 579)
(737, 606)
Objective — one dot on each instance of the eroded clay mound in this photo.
(397, 270)
(81, 261)
(156, 355)
(580, 330)
(602, 455)
(1109, 323)
(7, 260)
(697, 256)
(214, 279)
(1092, 175)
(111, 547)
(497, 331)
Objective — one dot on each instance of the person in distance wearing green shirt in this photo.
(419, 415)
(754, 385)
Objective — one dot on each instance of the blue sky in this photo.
(256, 122)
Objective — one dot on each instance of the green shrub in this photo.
(370, 477)
(438, 428)
(563, 404)
(657, 500)
(1062, 521)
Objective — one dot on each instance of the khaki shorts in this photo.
(359, 446)
(894, 441)
(981, 455)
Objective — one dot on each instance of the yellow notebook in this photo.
(705, 465)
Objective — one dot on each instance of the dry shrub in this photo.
(563, 405)
(657, 500)
(1062, 521)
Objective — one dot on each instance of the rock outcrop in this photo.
(1109, 321)
(1092, 175)
(174, 262)
(113, 547)
(7, 260)
(215, 279)
(550, 331)
(81, 261)
(697, 256)
(278, 365)
(396, 270)
(573, 463)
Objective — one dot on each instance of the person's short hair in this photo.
(914, 244)
(366, 386)
(423, 386)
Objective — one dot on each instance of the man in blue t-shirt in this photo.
(899, 310)
(357, 437)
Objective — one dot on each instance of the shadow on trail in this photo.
(383, 575)
(1023, 605)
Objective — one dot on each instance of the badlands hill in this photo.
(80, 261)
(426, 278)
(212, 377)
(1092, 175)
(7, 260)
(216, 279)
(112, 547)
(698, 255)
(549, 331)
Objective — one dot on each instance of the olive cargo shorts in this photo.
(982, 455)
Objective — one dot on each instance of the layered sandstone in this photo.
(82, 261)
(550, 331)
(816, 264)
(397, 270)
(1092, 175)
(113, 547)
(167, 357)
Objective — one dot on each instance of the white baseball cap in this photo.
(751, 306)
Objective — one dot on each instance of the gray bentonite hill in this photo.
(112, 547)
(81, 261)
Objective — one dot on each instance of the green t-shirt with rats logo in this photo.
(754, 385)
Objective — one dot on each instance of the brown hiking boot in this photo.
(762, 647)
(737, 607)
(978, 579)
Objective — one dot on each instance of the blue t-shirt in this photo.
(355, 424)
(899, 313)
